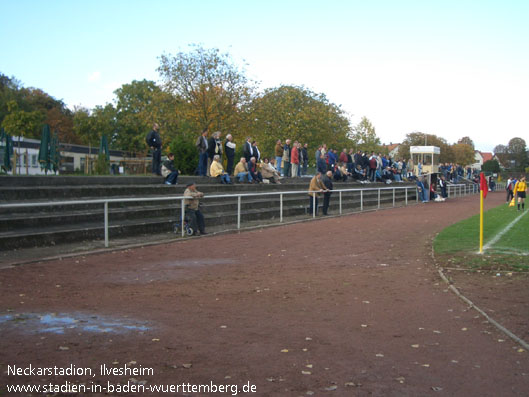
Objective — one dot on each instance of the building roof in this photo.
(486, 156)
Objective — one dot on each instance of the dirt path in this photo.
(342, 306)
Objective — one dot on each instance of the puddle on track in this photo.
(60, 323)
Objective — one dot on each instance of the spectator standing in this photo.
(509, 189)
(350, 160)
(202, 147)
(169, 172)
(256, 152)
(315, 188)
(214, 148)
(372, 167)
(327, 182)
(304, 159)
(248, 150)
(343, 156)
(192, 203)
(155, 143)
(286, 158)
(442, 185)
(294, 160)
(229, 149)
(318, 154)
(321, 165)
(279, 155)
(422, 190)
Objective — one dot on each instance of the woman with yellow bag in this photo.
(520, 190)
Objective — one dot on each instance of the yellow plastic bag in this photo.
(511, 204)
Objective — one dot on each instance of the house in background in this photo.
(481, 158)
(393, 150)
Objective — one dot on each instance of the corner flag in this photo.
(483, 184)
(484, 189)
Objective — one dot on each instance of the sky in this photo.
(449, 68)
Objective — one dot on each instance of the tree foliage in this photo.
(463, 153)
(296, 113)
(212, 91)
(422, 139)
(467, 141)
(513, 156)
(491, 166)
(365, 137)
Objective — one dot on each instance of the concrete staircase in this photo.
(36, 226)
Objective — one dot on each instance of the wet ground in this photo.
(341, 306)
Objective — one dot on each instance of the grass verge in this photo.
(457, 245)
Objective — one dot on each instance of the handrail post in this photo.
(239, 211)
(393, 197)
(106, 224)
(182, 216)
(281, 207)
(406, 195)
(340, 202)
(314, 205)
(361, 200)
(378, 206)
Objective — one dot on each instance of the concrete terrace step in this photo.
(162, 221)
(48, 225)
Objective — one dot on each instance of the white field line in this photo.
(500, 234)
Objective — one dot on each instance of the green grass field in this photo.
(459, 243)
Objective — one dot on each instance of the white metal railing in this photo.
(239, 197)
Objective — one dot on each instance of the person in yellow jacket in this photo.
(217, 171)
(520, 191)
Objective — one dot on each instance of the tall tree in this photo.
(517, 150)
(213, 90)
(420, 139)
(22, 123)
(502, 153)
(365, 137)
(135, 114)
(299, 114)
(467, 141)
(463, 154)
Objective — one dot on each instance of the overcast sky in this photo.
(449, 68)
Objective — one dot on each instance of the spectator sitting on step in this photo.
(269, 172)
(241, 171)
(217, 171)
(169, 172)
(254, 171)
(341, 173)
(360, 173)
(387, 175)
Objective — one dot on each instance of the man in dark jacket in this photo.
(155, 143)
(202, 147)
(304, 159)
(248, 150)
(327, 181)
(321, 165)
(229, 149)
